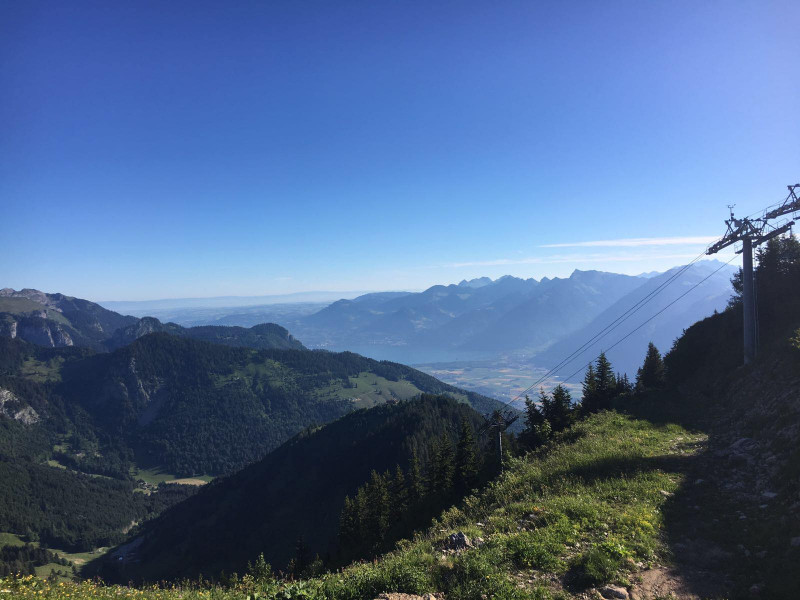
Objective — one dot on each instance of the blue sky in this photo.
(156, 150)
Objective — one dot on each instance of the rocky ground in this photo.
(734, 529)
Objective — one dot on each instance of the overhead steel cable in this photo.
(611, 326)
(630, 312)
(630, 333)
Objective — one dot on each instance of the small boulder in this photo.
(457, 541)
(613, 592)
(795, 542)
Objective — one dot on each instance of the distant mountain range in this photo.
(486, 319)
(542, 321)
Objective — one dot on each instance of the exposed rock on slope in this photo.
(14, 408)
(56, 320)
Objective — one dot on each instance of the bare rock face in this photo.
(36, 331)
(13, 408)
(60, 336)
(8, 328)
(42, 332)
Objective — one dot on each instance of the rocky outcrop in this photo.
(42, 332)
(13, 408)
(8, 327)
(456, 542)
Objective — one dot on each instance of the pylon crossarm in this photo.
(774, 233)
(790, 205)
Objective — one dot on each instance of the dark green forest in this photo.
(297, 492)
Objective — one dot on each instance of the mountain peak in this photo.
(475, 283)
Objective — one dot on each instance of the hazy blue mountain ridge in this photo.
(710, 296)
(472, 317)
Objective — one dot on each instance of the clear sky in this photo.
(173, 149)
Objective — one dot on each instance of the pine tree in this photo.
(651, 374)
(599, 386)
(533, 435)
(466, 466)
(416, 484)
(377, 510)
(348, 524)
(590, 399)
(361, 504)
(442, 465)
(398, 495)
(624, 385)
(559, 409)
(546, 403)
(606, 382)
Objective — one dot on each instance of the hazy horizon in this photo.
(332, 295)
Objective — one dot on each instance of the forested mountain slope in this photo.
(192, 407)
(178, 406)
(295, 493)
(260, 337)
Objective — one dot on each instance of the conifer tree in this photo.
(589, 402)
(651, 374)
(533, 435)
(624, 385)
(599, 386)
(546, 404)
(377, 510)
(466, 465)
(361, 501)
(398, 495)
(348, 524)
(559, 409)
(416, 484)
(606, 382)
(442, 465)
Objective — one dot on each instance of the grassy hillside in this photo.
(584, 512)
